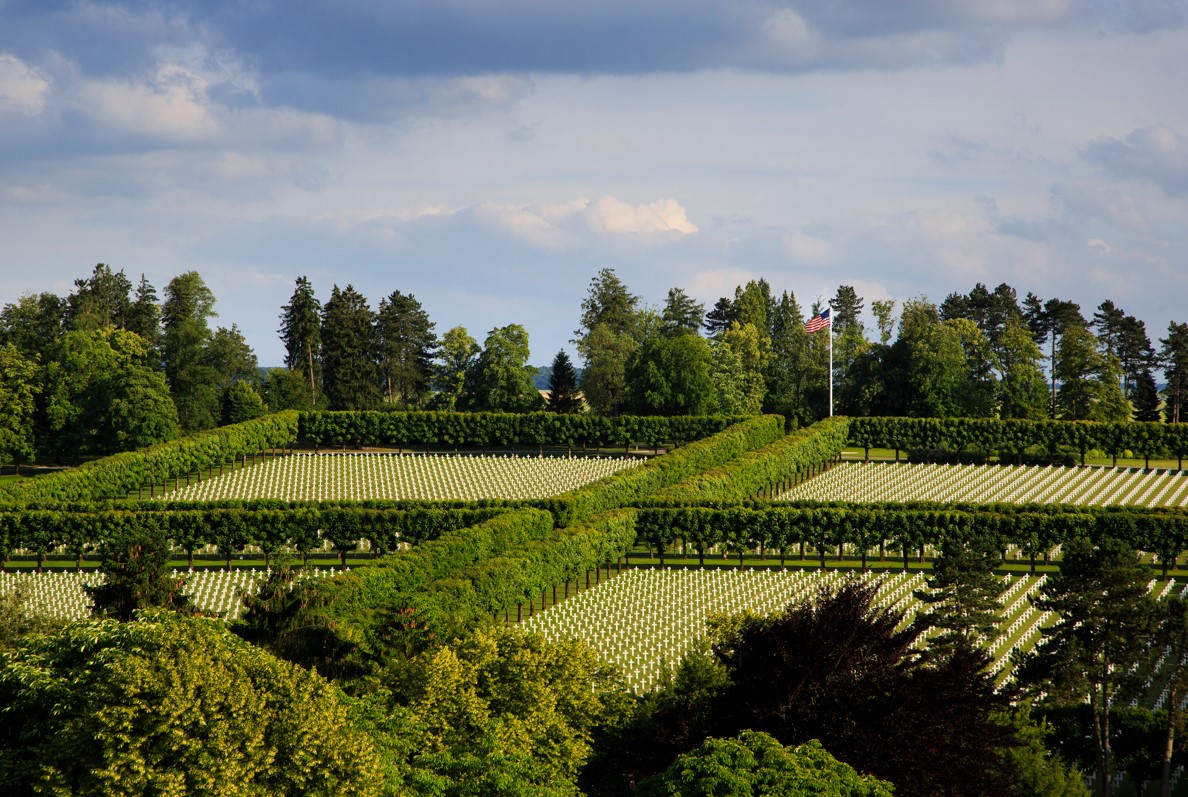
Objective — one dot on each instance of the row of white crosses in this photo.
(359, 476)
(61, 594)
(645, 621)
(883, 481)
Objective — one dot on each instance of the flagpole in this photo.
(831, 368)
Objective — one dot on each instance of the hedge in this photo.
(1016, 436)
(769, 469)
(1034, 528)
(117, 475)
(635, 484)
(232, 529)
(483, 429)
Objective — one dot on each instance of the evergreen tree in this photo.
(407, 346)
(241, 402)
(963, 593)
(457, 354)
(846, 316)
(1106, 621)
(350, 375)
(1146, 399)
(681, 314)
(100, 300)
(283, 389)
(718, 319)
(144, 316)
(301, 332)
(786, 368)
(1174, 357)
(188, 306)
(563, 386)
(501, 379)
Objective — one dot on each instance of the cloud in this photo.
(1155, 154)
(22, 89)
(806, 248)
(171, 104)
(610, 216)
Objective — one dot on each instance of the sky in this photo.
(490, 157)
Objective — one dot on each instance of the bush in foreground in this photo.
(171, 705)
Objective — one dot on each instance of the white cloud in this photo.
(662, 217)
(171, 104)
(22, 89)
(235, 166)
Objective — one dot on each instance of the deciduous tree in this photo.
(1106, 620)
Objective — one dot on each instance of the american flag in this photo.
(817, 322)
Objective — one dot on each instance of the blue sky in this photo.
(491, 157)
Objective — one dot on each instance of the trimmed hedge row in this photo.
(120, 474)
(1016, 436)
(635, 484)
(232, 529)
(1035, 529)
(498, 585)
(769, 469)
(480, 429)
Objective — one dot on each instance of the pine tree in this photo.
(407, 346)
(144, 314)
(1174, 358)
(563, 386)
(350, 375)
(301, 332)
(963, 593)
(681, 314)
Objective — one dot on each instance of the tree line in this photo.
(110, 368)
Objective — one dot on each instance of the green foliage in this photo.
(119, 474)
(963, 593)
(170, 705)
(188, 306)
(20, 618)
(407, 346)
(563, 386)
(18, 392)
(1106, 621)
(496, 712)
(350, 375)
(754, 471)
(241, 402)
(754, 763)
(1039, 772)
(500, 379)
(670, 375)
(286, 389)
(1014, 436)
(137, 576)
(301, 332)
